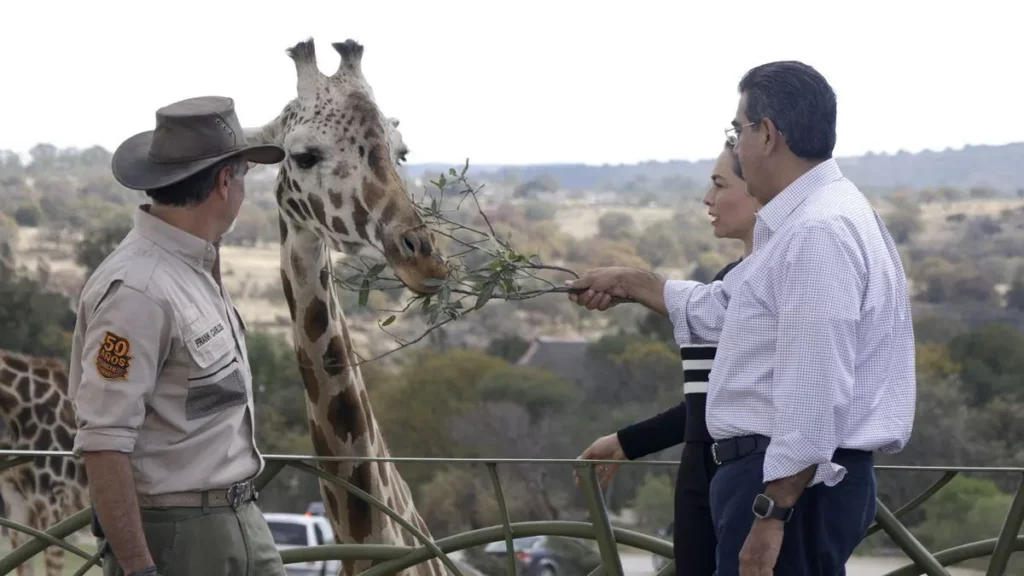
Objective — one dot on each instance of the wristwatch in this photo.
(764, 507)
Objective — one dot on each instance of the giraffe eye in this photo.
(305, 160)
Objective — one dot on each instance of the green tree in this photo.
(991, 360)
(97, 243)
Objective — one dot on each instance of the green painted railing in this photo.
(391, 559)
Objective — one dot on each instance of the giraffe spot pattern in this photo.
(337, 200)
(335, 359)
(359, 520)
(307, 374)
(317, 205)
(289, 296)
(345, 413)
(316, 319)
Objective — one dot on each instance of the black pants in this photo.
(693, 537)
(827, 523)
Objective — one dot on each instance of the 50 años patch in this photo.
(113, 359)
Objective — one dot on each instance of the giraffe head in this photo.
(339, 179)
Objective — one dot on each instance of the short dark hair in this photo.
(800, 102)
(196, 188)
(736, 168)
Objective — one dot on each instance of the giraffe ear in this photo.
(351, 57)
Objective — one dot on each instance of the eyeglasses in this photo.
(732, 135)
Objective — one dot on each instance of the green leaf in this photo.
(364, 293)
(485, 294)
(442, 181)
(453, 172)
(377, 269)
(387, 321)
(433, 282)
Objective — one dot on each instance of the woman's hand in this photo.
(604, 448)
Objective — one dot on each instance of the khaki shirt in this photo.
(159, 367)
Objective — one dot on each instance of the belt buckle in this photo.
(238, 492)
(714, 453)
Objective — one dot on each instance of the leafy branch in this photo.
(482, 266)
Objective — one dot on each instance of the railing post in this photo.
(492, 469)
(1008, 535)
(599, 517)
(906, 541)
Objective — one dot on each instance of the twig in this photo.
(500, 277)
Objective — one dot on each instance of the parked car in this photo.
(548, 555)
(297, 530)
(665, 534)
(316, 509)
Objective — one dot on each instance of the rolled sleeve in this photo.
(697, 310)
(816, 343)
(122, 351)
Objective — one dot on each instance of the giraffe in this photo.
(39, 416)
(339, 188)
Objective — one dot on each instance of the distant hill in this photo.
(996, 167)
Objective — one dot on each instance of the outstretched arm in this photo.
(697, 310)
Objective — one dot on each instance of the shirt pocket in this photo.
(215, 379)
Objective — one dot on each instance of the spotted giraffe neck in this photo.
(39, 416)
(341, 419)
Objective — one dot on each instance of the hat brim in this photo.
(133, 168)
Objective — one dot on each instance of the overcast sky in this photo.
(521, 82)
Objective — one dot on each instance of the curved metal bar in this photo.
(483, 536)
(94, 561)
(16, 461)
(270, 471)
(492, 470)
(29, 549)
(958, 554)
(49, 539)
(917, 500)
(383, 508)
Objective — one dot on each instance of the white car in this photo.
(297, 530)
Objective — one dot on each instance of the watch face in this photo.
(762, 505)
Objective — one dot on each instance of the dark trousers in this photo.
(693, 537)
(827, 523)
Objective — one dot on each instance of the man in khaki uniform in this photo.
(159, 370)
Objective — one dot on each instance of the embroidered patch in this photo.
(113, 359)
(208, 336)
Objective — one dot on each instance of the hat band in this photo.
(194, 158)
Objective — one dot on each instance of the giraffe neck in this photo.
(341, 420)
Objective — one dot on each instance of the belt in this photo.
(234, 496)
(729, 449)
(735, 448)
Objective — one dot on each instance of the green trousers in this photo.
(217, 541)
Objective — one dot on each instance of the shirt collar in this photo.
(778, 209)
(193, 250)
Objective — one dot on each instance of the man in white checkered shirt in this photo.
(815, 362)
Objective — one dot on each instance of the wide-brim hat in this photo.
(190, 135)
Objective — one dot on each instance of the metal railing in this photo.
(391, 559)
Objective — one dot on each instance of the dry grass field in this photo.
(252, 276)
